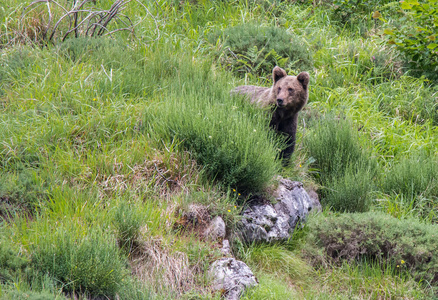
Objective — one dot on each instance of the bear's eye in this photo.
(279, 89)
(290, 90)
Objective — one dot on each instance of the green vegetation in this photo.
(344, 167)
(254, 50)
(405, 245)
(417, 37)
(116, 149)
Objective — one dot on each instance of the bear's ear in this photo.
(278, 73)
(304, 78)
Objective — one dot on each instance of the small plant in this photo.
(350, 191)
(20, 192)
(128, 221)
(254, 49)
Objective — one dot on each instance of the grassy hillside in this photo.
(109, 142)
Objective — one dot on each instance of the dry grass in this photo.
(165, 173)
(167, 272)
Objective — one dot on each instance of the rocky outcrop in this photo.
(263, 221)
(232, 277)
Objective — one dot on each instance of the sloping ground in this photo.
(106, 144)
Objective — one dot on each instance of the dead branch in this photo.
(84, 19)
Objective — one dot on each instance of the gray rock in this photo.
(216, 229)
(226, 249)
(231, 277)
(265, 222)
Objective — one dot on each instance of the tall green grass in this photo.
(225, 135)
(95, 133)
(345, 168)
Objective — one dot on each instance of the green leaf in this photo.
(432, 46)
(405, 5)
(388, 31)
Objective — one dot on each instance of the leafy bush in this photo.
(417, 37)
(350, 11)
(345, 169)
(80, 262)
(254, 49)
(407, 245)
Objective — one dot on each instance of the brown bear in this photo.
(287, 97)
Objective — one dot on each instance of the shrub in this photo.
(352, 11)
(417, 36)
(257, 50)
(88, 263)
(345, 168)
(407, 245)
(413, 176)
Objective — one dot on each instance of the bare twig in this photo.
(87, 21)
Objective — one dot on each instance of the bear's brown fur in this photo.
(287, 97)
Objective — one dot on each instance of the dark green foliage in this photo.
(407, 245)
(352, 11)
(87, 263)
(346, 169)
(351, 191)
(250, 48)
(417, 37)
(413, 176)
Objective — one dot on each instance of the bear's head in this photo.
(290, 92)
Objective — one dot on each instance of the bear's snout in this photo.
(280, 102)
